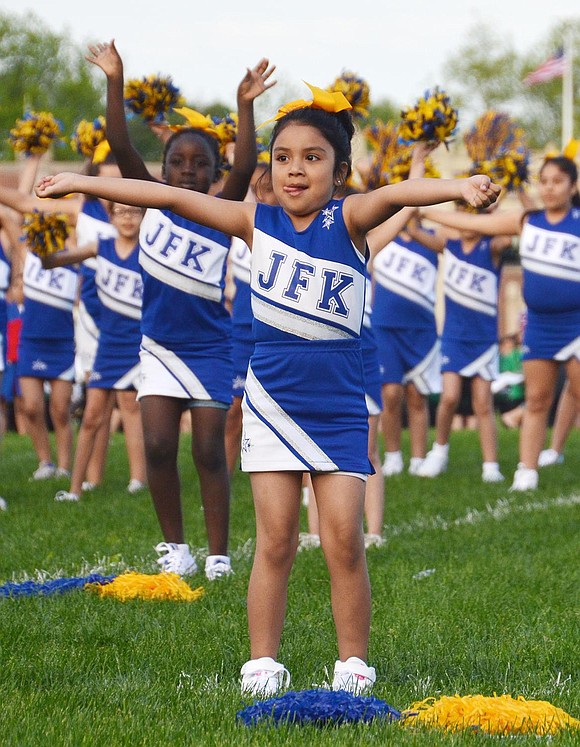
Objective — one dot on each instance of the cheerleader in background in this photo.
(550, 256)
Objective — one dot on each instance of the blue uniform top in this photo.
(183, 266)
(92, 225)
(306, 285)
(120, 289)
(405, 273)
(48, 300)
(241, 259)
(550, 255)
(471, 292)
(5, 268)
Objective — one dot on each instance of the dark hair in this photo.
(338, 129)
(568, 167)
(210, 140)
(93, 169)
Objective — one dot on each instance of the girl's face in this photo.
(190, 164)
(302, 172)
(127, 220)
(555, 188)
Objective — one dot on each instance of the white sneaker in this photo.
(217, 566)
(354, 676)
(491, 473)
(415, 464)
(135, 486)
(393, 463)
(3, 505)
(61, 472)
(44, 471)
(64, 495)
(176, 558)
(264, 677)
(435, 463)
(307, 541)
(373, 540)
(524, 479)
(88, 486)
(548, 457)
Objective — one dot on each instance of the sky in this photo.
(399, 48)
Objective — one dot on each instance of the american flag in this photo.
(552, 68)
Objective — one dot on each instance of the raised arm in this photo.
(105, 56)
(233, 218)
(254, 83)
(494, 224)
(365, 212)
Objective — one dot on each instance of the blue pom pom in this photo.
(54, 586)
(319, 707)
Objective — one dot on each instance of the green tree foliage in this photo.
(43, 71)
(487, 73)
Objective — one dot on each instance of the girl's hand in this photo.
(479, 191)
(255, 81)
(56, 186)
(105, 56)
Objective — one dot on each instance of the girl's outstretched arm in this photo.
(494, 224)
(130, 163)
(364, 212)
(27, 203)
(70, 255)
(253, 84)
(233, 218)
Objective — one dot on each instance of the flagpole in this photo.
(568, 90)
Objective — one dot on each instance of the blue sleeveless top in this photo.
(48, 300)
(120, 289)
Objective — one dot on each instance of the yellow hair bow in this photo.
(196, 120)
(570, 151)
(328, 101)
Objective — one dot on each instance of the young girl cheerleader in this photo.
(304, 405)
(115, 371)
(186, 345)
(469, 348)
(550, 255)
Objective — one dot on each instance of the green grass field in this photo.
(499, 614)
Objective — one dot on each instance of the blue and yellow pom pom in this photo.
(432, 119)
(35, 133)
(88, 135)
(497, 147)
(45, 233)
(151, 97)
(155, 587)
(356, 90)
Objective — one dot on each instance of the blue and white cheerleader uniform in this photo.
(186, 348)
(5, 269)
(242, 333)
(469, 341)
(304, 405)
(370, 353)
(550, 256)
(120, 289)
(92, 224)
(46, 349)
(403, 315)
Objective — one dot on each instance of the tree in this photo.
(43, 71)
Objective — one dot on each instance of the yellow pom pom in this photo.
(432, 119)
(156, 587)
(35, 133)
(45, 233)
(493, 715)
(355, 90)
(88, 135)
(152, 97)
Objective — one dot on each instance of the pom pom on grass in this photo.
(319, 707)
(87, 136)
(432, 119)
(54, 586)
(156, 587)
(497, 147)
(152, 97)
(45, 233)
(356, 91)
(35, 133)
(500, 715)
